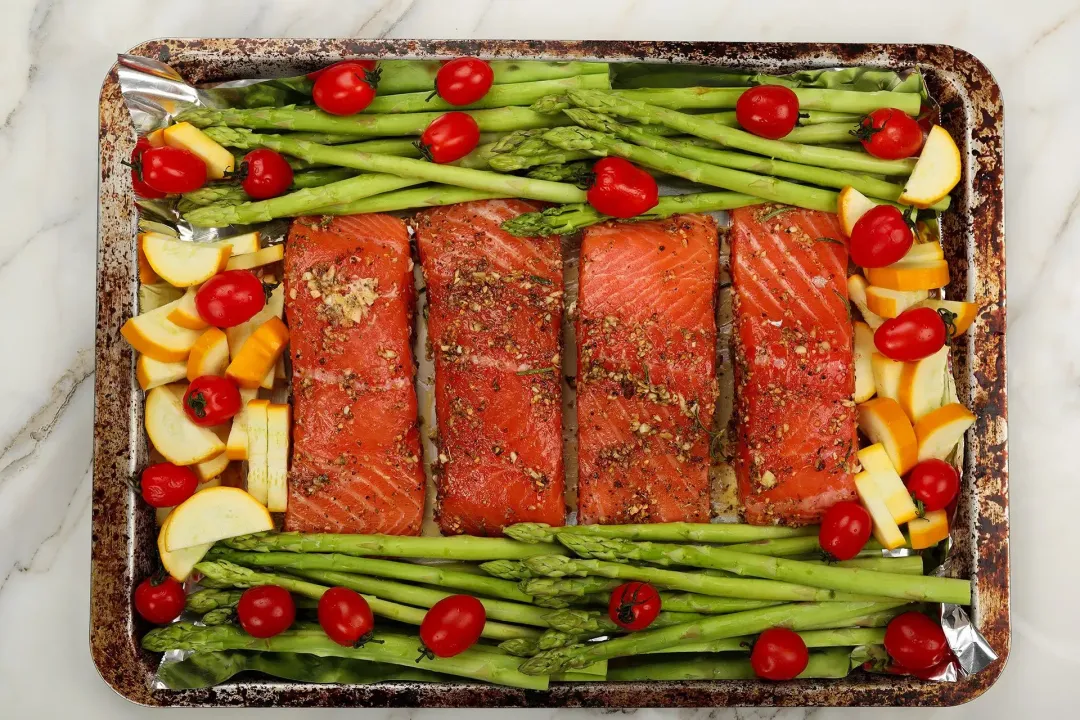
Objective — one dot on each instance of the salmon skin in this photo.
(794, 367)
(494, 320)
(646, 384)
(350, 301)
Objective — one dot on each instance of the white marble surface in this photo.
(56, 53)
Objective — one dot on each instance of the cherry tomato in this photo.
(911, 335)
(345, 88)
(367, 65)
(137, 183)
(934, 483)
(844, 530)
(880, 237)
(452, 626)
(450, 137)
(622, 189)
(171, 170)
(779, 654)
(915, 641)
(159, 599)
(346, 617)
(211, 400)
(890, 134)
(768, 111)
(230, 298)
(265, 174)
(166, 485)
(266, 611)
(464, 80)
(634, 605)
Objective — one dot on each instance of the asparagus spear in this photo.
(564, 219)
(403, 76)
(426, 597)
(576, 173)
(392, 648)
(549, 640)
(712, 627)
(499, 96)
(586, 621)
(227, 573)
(557, 602)
(425, 574)
(424, 196)
(407, 167)
(507, 569)
(218, 193)
(709, 98)
(609, 104)
(458, 547)
(852, 580)
(203, 601)
(761, 186)
(833, 663)
(511, 162)
(320, 177)
(361, 126)
(578, 587)
(708, 604)
(910, 565)
(838, 637)
(300, 202)
(745, 588)
(663, 532)
(840, 133)
(738, 161)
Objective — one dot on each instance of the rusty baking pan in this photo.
(974, 240)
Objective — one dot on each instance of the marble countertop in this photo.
(59, 50)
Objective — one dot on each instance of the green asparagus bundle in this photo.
(565, 219)
(851, 580)
(713, 627)
(458, 547)
(424, 574)
(227, 574)
(833, 663)
(392, 649)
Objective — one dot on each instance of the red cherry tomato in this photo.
(167, 485)
(890, 134)
(768, 111)
(364, 64)
(912, 335)
(171, 170)
(230, 298)
(621, 189)
(211, 400)
(266, 611)
(464, 80)
(634, 605)
(450, 137)
(934, 483)
(915, 641)
(137, 183)
(844, 530)
(452, 626)
(345, 88)
(779, 654)
(880, 237)
(159, 600)
(265, 174)
(346, 617)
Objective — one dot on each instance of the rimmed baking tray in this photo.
(974, 239)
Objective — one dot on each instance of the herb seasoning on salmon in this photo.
(794, 377)
(646, 384)
(350, 301)
(494, 317)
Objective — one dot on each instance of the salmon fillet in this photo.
(646, 384)
(794, 368)
(494, 319)
(349, 301)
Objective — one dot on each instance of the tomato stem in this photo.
(366, 638)
(425, 652)
(197, 402)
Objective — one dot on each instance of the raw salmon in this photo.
(646, 384)
(349, 301)
(494, 318)
(794, 376)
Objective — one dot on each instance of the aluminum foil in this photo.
(155, 94)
